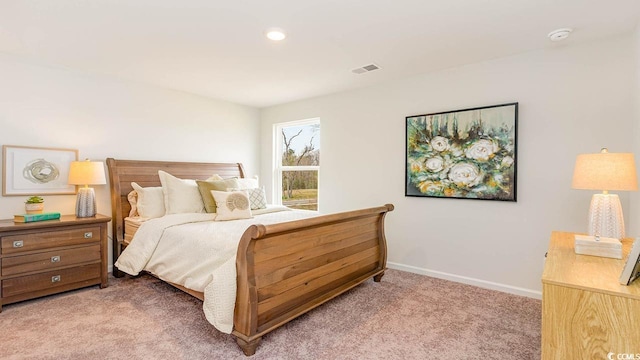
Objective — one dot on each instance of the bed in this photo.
(283, 269)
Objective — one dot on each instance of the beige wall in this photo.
(103, 117)
(572, 99)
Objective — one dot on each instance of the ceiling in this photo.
(218, 49)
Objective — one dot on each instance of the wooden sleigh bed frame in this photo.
(283, 270)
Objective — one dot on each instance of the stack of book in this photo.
(24, 218)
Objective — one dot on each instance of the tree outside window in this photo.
(298, 149)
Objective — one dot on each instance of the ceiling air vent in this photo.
(366, 68)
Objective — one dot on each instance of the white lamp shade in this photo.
(605, 171)
(86, 173)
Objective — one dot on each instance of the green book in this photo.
(36, 217)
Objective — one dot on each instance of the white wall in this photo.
(633, 228)
(573, 99)
(104, 117)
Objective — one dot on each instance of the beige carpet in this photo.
(406, 316)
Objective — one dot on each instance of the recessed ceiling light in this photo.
(559, 34)
(276, 34)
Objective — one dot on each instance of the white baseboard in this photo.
(467, 280)
(457, 278)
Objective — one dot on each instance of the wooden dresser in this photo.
(48, 257)
(586, 313)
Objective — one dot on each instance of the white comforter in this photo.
(200, 254)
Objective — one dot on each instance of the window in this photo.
(297, 163)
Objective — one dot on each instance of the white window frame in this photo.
(278, 168)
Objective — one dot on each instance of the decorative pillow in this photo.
(180, 195)
(257, 197)
(205, 188)
(132, 196)
(150, 202)
(232, 205)
(215, 177)
(246, 183)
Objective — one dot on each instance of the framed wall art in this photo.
(36, 171)
(631, 270)
(463, 154)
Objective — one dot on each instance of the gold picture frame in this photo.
(36, 171)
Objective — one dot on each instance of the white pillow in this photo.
(246, 183)
(257, 197)
(180, 195)
(150, 202)
(231, 205)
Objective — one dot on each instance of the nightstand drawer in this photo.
(50, 279)
(50, 260)
(44, 240)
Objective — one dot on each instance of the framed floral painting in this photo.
(463, 154)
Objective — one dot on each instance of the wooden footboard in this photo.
(287, 269)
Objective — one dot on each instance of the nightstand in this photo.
(586, 313)
(48, 257)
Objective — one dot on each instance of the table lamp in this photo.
(86, 173)
(605, 171)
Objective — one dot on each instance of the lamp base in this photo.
(605, 216)
(86, 202)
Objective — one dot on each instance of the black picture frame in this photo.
(463, 154)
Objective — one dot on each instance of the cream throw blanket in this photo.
(200, 254)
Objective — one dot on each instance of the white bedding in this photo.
(200, 254)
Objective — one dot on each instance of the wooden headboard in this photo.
(123, 172)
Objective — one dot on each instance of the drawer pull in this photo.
(55, 278)
(18, 244)
(55, 259)
(88, 235)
